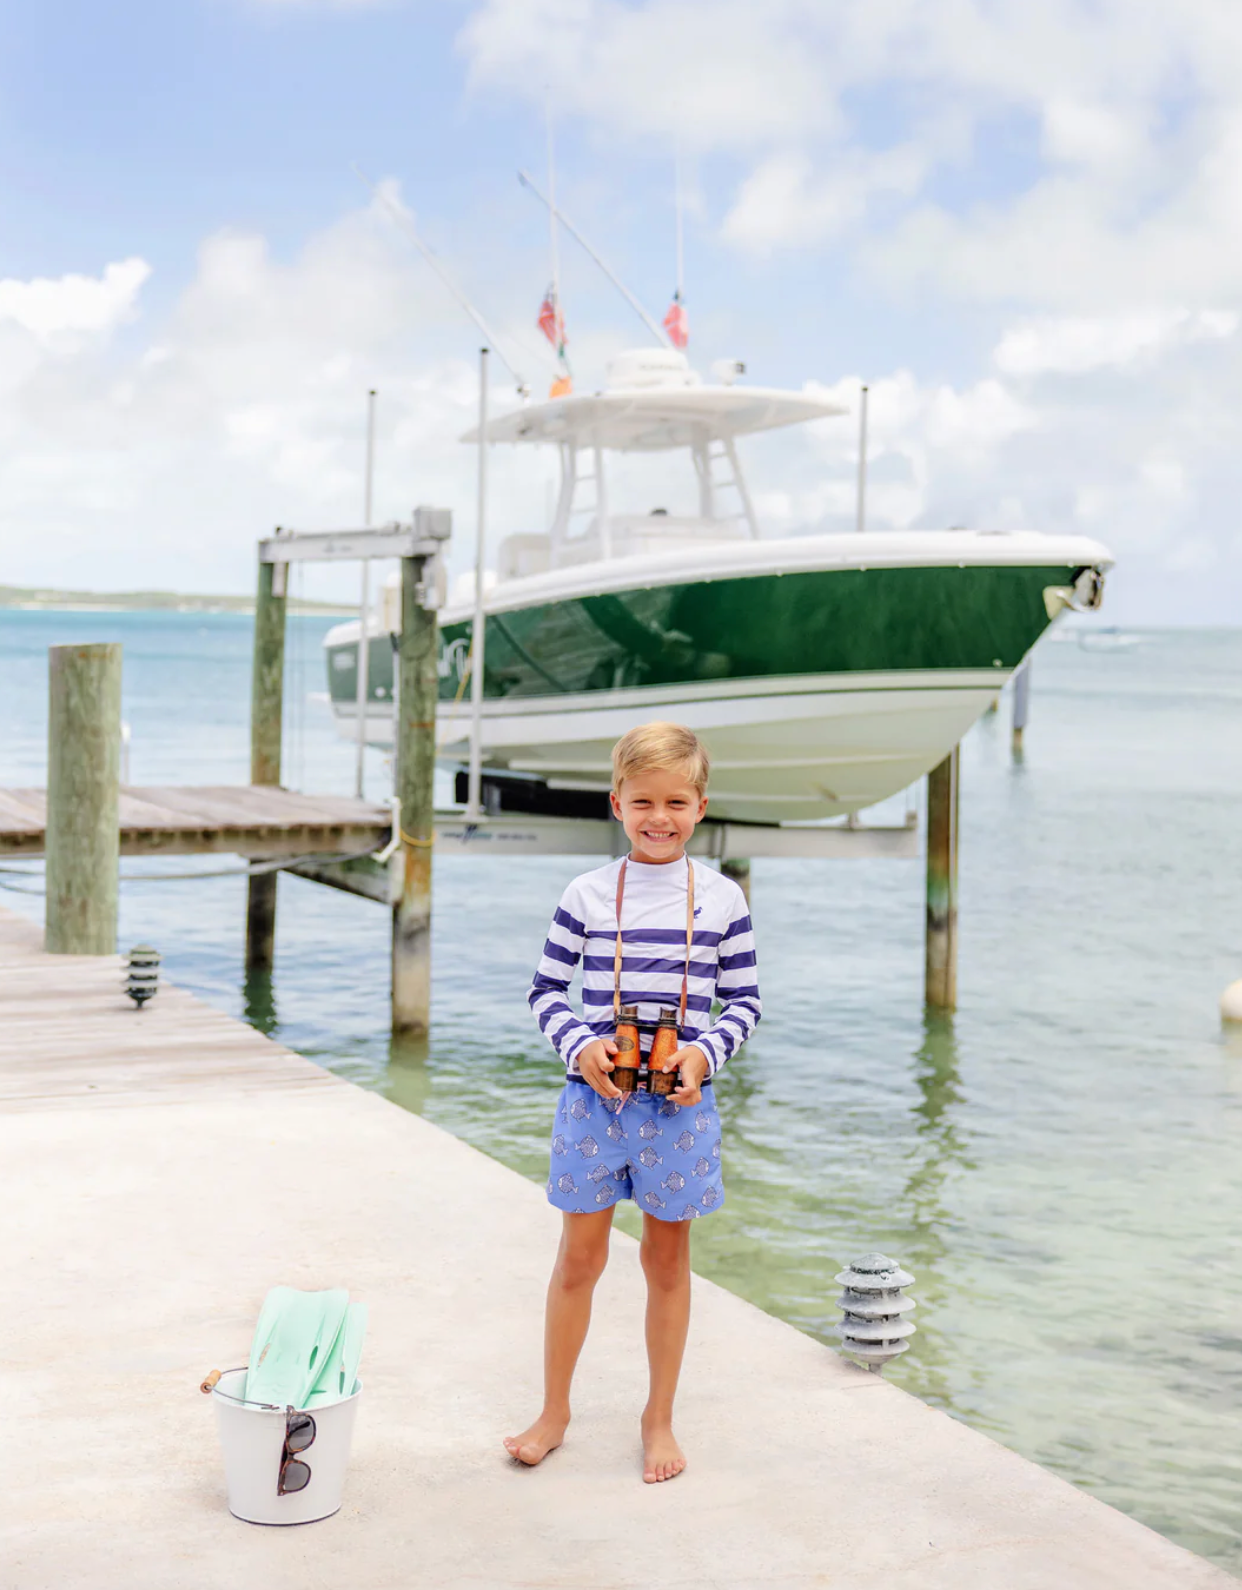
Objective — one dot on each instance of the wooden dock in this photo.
(160, 1170)
(244, 819)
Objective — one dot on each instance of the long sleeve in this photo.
(737, 989)
(562, 951)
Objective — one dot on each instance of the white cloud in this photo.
(730, 74)
(161, 464)
(64, 307)
(786, 201)
(1076, 344)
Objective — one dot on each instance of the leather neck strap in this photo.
(616, 959)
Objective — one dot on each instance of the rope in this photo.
(442, 740)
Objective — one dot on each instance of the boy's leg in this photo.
(579, 1264)
(666, 1264)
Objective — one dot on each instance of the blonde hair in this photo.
(661, 745)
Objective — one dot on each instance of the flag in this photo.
(561, 387)
(675, 322)
(550, 321)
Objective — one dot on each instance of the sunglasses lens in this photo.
(300, 1433)
(294, 1476)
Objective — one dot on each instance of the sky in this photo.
(1020, 225)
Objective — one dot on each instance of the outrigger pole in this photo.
(407, 226)
(559, 215)
(478, 631)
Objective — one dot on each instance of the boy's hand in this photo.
(692, 1063)
(596, 1062)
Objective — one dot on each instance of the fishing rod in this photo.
(407, 225)
(558, 214)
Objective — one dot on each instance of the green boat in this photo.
(824, 672)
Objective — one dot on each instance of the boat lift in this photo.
(399, 874)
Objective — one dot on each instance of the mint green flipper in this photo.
(340, 1369)
(294, 1338)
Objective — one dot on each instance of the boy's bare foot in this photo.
(534, 1444)
(663, 1459)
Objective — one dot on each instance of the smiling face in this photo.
(658, 809)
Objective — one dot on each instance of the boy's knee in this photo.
(665, 1266)
(583, 1266)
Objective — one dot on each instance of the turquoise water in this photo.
(1058, 1164)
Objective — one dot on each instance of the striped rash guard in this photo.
(653, 936)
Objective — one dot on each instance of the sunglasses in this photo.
(299, 1436)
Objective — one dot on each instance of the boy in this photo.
(656, 931)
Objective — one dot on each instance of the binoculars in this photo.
(628, 1068)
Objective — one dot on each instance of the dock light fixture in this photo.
(872, 1328)
(142, 974)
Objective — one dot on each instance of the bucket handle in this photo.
(211, 1383)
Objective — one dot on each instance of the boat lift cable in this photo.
(253, 870)
(656, 330)
(407, 226)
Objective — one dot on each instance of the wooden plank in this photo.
(22, 810)
(365, 876)
(70, 1037)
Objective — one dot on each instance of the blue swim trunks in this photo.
(664, 1156)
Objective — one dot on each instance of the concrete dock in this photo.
(161, 1170)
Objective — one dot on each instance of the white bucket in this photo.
(253, 1438)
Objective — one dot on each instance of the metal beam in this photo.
(422, 539)
(522, 835)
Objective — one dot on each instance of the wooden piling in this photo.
(1021, 708)
(418, 687)
(83, 799)
(940, 976)
(266, 716)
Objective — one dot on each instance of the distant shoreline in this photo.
(37, 599)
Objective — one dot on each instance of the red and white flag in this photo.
(676, 323)
(550, 321)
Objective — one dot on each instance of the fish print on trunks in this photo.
(605, 1153)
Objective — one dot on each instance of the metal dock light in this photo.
(872, 1328)
(142, 974)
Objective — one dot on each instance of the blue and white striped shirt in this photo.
(653, 937)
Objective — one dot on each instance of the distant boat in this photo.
(826, 672)
(1107, 640)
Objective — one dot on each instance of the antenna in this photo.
(656, 330)
(681, 262)
(553, 239)
(407, 226)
